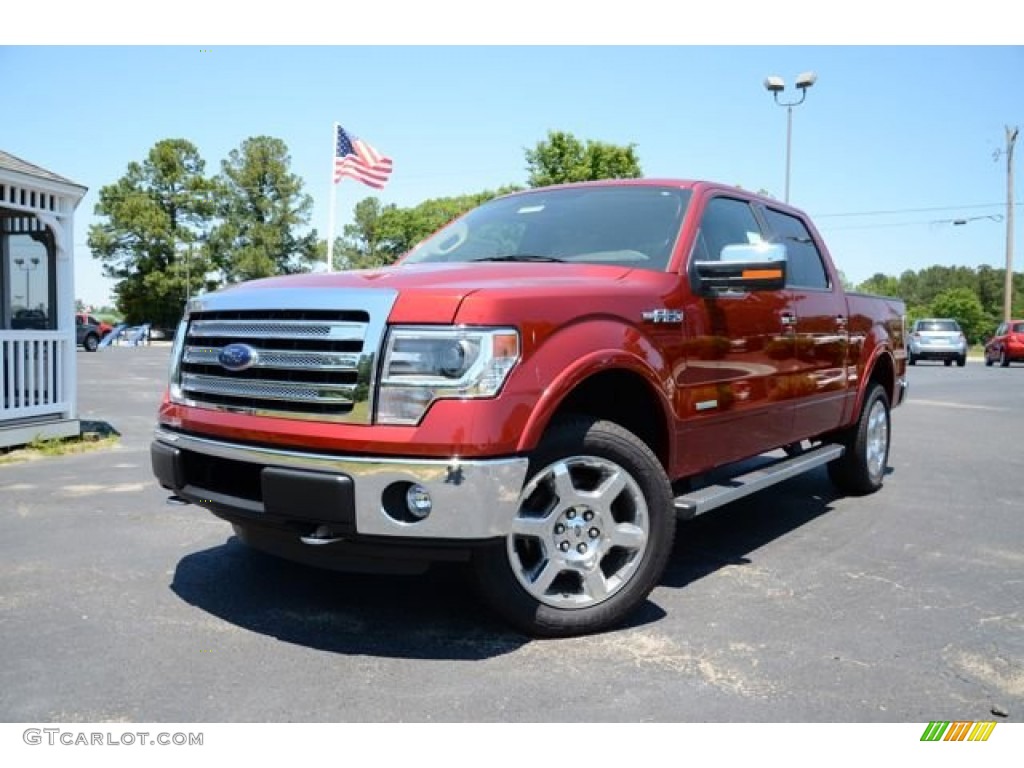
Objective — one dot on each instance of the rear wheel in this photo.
(861, 469)
(911, 360)
(591, 536)
(1004, 360)
(947, 363)
(961, 361)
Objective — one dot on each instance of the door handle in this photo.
(788, 319)
(840, 322)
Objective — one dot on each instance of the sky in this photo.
(892, 143)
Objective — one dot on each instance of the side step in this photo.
(710, 497)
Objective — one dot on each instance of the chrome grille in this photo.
(275, 329)
(307, 364)
(272, 358)
(269, 390)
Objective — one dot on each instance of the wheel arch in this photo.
(612, 386)
(881, 370)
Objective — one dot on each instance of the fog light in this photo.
(418, 501)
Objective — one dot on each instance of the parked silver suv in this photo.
(937, 338)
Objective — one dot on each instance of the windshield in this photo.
(632, 226)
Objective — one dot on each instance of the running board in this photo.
(704, 500)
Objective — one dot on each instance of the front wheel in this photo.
(91, 342)
(591, 536)
(1004, 361)
(862, 467)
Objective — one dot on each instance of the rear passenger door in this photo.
(818, 378)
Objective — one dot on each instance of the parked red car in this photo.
(87, 319)
(1006, 345)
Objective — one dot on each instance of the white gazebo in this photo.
(38, 375)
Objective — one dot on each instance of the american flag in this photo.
(358, 160)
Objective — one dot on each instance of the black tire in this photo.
(961, 361)
(592, 535)
(861, 469)
(911, 360)
(91, 342)
(947, 363)
(1004, 360)
(988, 360)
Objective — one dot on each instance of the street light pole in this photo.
(1011, 139)
(26, 266)
(776, 85)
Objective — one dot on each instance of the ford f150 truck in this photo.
(541, 388)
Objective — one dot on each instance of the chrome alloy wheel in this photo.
(877, 443)
(580, 533)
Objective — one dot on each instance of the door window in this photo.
(725, 222)
(804, 265)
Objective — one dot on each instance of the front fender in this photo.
(573, 354)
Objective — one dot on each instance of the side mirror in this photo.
(758, 267)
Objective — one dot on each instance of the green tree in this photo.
(881, 285)
(364, 242)
(562, 158)
(963, 305)
(262, 210)
(152, 215)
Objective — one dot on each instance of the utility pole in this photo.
(1011, 138)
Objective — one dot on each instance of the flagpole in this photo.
(330, 220)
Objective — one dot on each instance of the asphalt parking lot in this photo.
(793, 605)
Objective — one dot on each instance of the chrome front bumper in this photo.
(472, 499)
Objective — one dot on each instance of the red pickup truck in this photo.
(541, 388)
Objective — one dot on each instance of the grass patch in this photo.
(94, 436)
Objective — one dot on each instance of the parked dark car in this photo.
(87, 334)
(30, 320)
(1006, 345)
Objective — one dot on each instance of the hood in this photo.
(432, 293)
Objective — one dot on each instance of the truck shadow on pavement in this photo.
(437, 615)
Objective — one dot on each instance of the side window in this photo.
(804, 267)
(725, 222)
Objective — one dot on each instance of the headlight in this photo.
(174, 371)
(422, 365)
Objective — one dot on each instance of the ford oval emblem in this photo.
(238, 357)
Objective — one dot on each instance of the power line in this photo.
(894, 211)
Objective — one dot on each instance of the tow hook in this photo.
(319, 537)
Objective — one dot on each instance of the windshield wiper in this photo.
(519, 257)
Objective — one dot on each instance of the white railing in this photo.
(31, 374)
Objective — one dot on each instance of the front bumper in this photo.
(351, 495)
